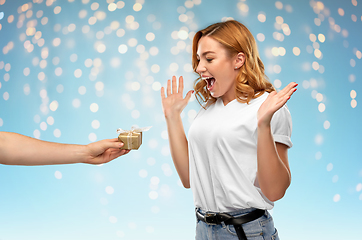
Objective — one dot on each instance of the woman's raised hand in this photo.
(274, 102)
(174, 103)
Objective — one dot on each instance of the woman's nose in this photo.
(200, 68)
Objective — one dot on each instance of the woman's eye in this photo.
(209, 59)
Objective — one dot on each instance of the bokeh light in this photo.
(74, 71)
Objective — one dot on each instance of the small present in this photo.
(132, 139)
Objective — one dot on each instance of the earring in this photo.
(236, 67)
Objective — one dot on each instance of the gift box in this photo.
(132, 139)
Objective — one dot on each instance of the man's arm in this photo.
(17, 149)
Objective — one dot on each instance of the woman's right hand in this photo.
(174, 103)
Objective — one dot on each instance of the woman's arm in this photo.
(172, 106)
(273, 168)
(17, 149)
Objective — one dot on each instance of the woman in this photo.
(236, 158)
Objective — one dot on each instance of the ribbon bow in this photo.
(133, 130)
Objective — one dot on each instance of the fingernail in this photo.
(288, 98)
(193, 91)
(295, 90)
(296, 84)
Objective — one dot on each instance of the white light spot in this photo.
(109, 190)
(353, 103)
(319, 97)
(260, 37)
(73, 57)
(92, 137)
(359, 187)
(329, 167)
(132, 225)
(135, 114)
(120, 234)
(58, 175)
(277, 83)
(78, 73)
(155, 180)
(58, 71)
(321, 107)
(36, 133)
(353, 94)
(112, 219)
(153, 143)
(43, 126)
(153, 51)
(115, 62)
(142, 173)
(318, 155)
(94, 107)
(155, 209)
(182, 34)
(156, 86)
(60, 88)
(326, 124)
(155, 68)
(164, 135)
(132, 42)
(140, 48)
(150, 229)
(82, 90)
(76, 103)
(173, 67)
(104, 201)
(57, 133)
(137, 7)
(337, 198)
(150, 36)
(153, 195)
(261, 17)
(53, 106)
(165, 151)
(335, 179)
(277, 69)
(150, 161)
(296, 51)
(26, 89)
(95, 124)
(122, 48)
(88, 62)
(112, 7)
(136, 86)
(318, 139)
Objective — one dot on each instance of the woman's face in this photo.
(217, 68)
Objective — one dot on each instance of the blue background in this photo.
(58, 58)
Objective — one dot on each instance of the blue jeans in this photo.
(259, 229)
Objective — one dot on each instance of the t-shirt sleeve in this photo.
(281, 126)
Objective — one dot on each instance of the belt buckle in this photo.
(209, 218)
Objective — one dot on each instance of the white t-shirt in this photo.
(222, 144)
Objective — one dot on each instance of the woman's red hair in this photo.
(251, 81)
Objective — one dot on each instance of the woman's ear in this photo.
(240, 60)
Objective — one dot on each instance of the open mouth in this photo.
(210, 82)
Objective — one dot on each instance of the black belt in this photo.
(213, 218)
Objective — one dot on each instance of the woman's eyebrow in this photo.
(204, 53)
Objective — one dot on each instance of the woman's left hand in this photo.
(275, 101)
